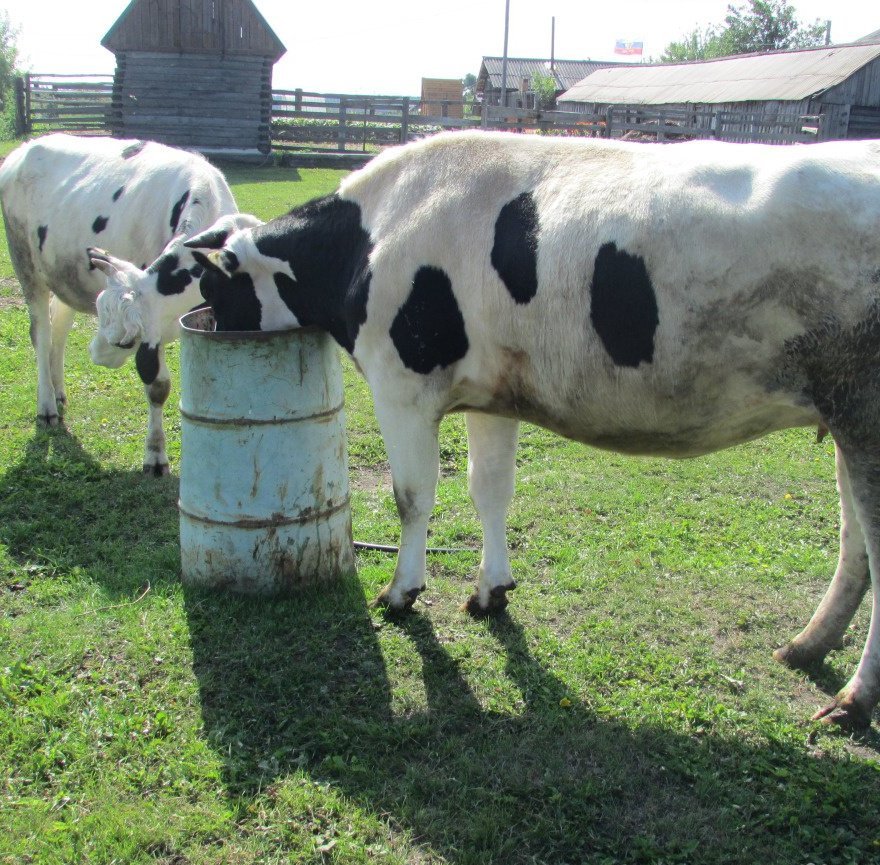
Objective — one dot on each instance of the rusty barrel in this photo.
(264, 498)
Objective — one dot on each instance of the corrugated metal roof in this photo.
(783, 75)
(567, 72)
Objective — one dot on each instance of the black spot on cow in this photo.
(515, 250)
(146, 361)
(100, 224)
(42, 231)
(133, 149)
(233, 298)
(623, 306)
(118, 194)
(428, 330)
(230, 260)
(171, 278)
(177, 210)
(328, 251)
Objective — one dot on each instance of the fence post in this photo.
(298, 99)
(340, 138)
(404, 121)
(21, 120)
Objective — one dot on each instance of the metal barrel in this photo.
(264, 499)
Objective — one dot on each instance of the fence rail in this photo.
(73, 103)
(305, 121)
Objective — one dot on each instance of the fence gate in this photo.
(63, 103)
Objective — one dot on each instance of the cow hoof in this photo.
(49, 420)
(157, 470)
(799, 657)
(384, 600)
(846, 714)
(498, 601)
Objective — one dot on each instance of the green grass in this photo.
(626, 710)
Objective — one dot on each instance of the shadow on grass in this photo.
(60, 510)
(308, 685)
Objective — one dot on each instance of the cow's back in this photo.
(62, 194)
(670, 280)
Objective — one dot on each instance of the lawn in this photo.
(626, 709)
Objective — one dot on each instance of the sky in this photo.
(388, 46)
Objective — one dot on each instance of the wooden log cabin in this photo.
(194, 73)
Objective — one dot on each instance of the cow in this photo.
(643, 298)
(61, 195)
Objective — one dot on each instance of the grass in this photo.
(626, 710)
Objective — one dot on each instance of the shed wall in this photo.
(194, 100)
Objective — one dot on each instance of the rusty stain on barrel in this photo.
(264, 498)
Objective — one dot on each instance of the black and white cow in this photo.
(62, 194)
(649, 299)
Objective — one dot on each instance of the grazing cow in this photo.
(62, 194)
(649, 299)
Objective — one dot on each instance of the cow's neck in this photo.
(327, 250)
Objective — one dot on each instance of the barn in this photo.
(839, 83)
(194, 73)
(520, 73)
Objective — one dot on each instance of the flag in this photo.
(624, 47)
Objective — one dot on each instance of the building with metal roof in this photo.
(841, 82)
(567, 73)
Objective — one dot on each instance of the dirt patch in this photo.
(370, 478)
(10, 293)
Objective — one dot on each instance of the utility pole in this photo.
(828, 32)
(504, 58)
(553, 45)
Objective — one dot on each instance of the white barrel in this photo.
(264, 498)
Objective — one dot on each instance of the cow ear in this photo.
(211, 239)
(209, 262)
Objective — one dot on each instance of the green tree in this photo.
(759, 25)
(544, 88)
(8, 70)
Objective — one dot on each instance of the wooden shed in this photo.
(840, 84)
(194, 73)
(521, 71)
(442, 97)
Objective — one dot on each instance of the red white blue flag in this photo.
(624, 47)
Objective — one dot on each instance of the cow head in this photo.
(144, 305)
(239, 283)
(120, 328)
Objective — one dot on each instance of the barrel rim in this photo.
(228, 335)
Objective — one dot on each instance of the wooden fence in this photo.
(308, 122)
(63, 103)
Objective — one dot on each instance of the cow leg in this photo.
(41, 339)
(156, 391)
(61, 316)
(410, 435)
(853, 705)
(491, 467)
(848, 586)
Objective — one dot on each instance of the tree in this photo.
(544, 87)
(756, 26)
(8, 70)
(8, 54)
